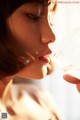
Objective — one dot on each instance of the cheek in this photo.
(25, 31)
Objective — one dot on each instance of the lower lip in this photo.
(71, 79)
(44, 59)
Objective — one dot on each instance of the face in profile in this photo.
(29, 24)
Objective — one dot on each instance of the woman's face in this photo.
(30, 26)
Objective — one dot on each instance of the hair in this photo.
(10, 59)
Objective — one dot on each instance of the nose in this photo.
(47, 35)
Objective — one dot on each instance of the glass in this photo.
(67, 54)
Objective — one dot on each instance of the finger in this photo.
(71, 79)
(72, 76)
(78, 87)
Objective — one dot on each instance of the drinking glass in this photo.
(67, 54)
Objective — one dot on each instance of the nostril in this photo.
(50, 41)
(47, 41)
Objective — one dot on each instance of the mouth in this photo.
(45, 57)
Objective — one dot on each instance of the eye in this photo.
(33, 16)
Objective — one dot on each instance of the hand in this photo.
(73, 77)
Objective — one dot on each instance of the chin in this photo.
(41, 74)
(50, 68)
(38, 73)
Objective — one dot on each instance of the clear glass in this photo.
(67, 54)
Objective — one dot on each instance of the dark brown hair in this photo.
(10, 62)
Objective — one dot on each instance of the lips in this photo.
(45, 57)
(72, 76)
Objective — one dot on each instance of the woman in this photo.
(25, 39)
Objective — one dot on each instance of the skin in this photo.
(38, 34)
(71, 78)
(34, 35)
(31, 33)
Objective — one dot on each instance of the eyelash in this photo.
(33, 16)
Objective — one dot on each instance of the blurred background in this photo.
(66, 18)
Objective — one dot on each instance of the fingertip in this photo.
(71, 79)
(78, 87)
